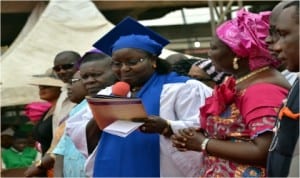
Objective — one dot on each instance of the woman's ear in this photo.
(153, 62)
(154, 65)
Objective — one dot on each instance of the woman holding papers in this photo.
(172, 102)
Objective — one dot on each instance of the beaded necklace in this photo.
(251, 74)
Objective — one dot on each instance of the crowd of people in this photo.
(235, 113)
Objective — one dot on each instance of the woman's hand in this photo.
(46, 163)
(188, 139)
(153, 124)
(34, 171)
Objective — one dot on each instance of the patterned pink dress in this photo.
(239, 116)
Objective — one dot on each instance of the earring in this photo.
(235, 63)
(154, 66)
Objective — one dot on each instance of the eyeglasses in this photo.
(74, 80)
(130, 63)
(62, 67)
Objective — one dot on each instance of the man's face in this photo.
(20, 144)
(287, 46)
(76, 89)
(96, 75)
(64, 68)
(273, 36)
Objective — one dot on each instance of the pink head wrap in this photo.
(245, 35)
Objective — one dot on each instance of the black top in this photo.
(42, 132)
(285, 138)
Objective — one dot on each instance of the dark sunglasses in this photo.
(63, 67)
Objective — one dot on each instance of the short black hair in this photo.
(183, 66)
(163, 67)
(296, 4)
(89, 57)
(20, 134)
(93, 56)
(71, 54)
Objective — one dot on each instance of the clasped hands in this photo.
(188, 139)
(184, 140)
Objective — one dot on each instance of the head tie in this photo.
(245, 35)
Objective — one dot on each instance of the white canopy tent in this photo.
(59, 26)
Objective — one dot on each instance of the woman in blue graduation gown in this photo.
(171, 102)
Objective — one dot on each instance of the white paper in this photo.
(122, 128)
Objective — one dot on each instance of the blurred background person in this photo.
(204, 71)
(68, 160)
(283, 160)
(173, 58)
(64, 67)
(49, 90)
(182, 67)
(19, 154)
(82, 133)
(273, 37)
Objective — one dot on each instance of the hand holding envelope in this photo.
(153, 124)
(113, 115)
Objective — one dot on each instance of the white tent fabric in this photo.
(31, 21)
(63, 25)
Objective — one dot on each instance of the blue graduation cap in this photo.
(131, 34)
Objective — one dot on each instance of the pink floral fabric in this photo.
(35, 110)
(239, 116)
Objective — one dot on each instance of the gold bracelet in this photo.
(166, 129)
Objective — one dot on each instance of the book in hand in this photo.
(114, 114)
